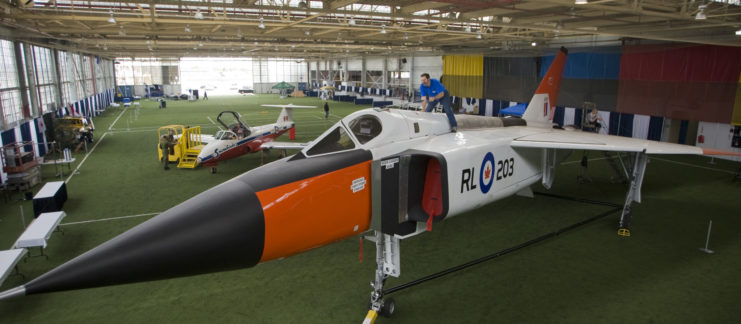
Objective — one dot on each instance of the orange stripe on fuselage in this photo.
(316, 211)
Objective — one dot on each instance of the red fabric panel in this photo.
(702, 63)
(679, 81)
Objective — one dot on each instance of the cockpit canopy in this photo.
(363, 128)
(225, 135)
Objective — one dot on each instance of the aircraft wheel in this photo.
(389, 306)
(213, 169)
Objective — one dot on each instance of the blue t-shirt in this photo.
(434, 88)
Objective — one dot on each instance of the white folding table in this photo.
(9, 261)
(39, 231)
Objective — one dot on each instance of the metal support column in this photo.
(363, 78)
(57, 79)
(385, 76)
(22, 76)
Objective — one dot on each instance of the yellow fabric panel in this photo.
(464, 86)
(463, 65)
(463, 75)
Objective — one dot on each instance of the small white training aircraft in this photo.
(238, 139)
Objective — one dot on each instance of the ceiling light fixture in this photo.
(187, 28)
(738, 32)
(701, 14)
(111, 19)
(121, 31)
(198, 14)
(302, 4)
(351, 21)
(533, 44)
(307, 32)
(479, 36)
(383, 29)
(261, 25)
(581, 2)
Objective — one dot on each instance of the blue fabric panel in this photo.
(683, 131)
(626, 125)
(655, 127)
(363, 101)
(587, 65)
(577, 117)
(26, 136)
(558, 115)
(8, 136)
(614, 123)
(40, 137)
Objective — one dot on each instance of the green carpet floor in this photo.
(589, 275)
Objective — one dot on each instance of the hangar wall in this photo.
(38, 82)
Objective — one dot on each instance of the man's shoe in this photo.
(453, 129)
(167, 168)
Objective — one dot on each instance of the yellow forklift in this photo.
(188, 144)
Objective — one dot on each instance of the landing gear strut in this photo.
(388, 264)
(635, 174)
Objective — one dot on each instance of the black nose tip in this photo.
(220, 229)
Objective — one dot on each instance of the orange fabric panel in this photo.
(313, 212)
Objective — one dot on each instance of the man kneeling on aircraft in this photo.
(432, 89)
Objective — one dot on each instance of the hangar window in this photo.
(335, 141)
(365, 128)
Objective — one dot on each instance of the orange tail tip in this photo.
(551, 83)
(541, 107)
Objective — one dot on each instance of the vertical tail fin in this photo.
(286, 115)
(543, 103)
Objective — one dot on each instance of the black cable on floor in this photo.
(615, 208)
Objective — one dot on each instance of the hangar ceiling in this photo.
(348, 28)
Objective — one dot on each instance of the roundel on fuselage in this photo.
(486, 173)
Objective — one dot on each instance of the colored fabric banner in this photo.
(688, 82)
(568, 118)
(463, 75)
(558, 115)
(625, 126)
(640, 126)
(510, 78)
(655, 127)
(589, 77)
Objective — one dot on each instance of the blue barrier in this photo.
(382, 103)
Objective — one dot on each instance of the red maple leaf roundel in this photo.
(487, 172)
